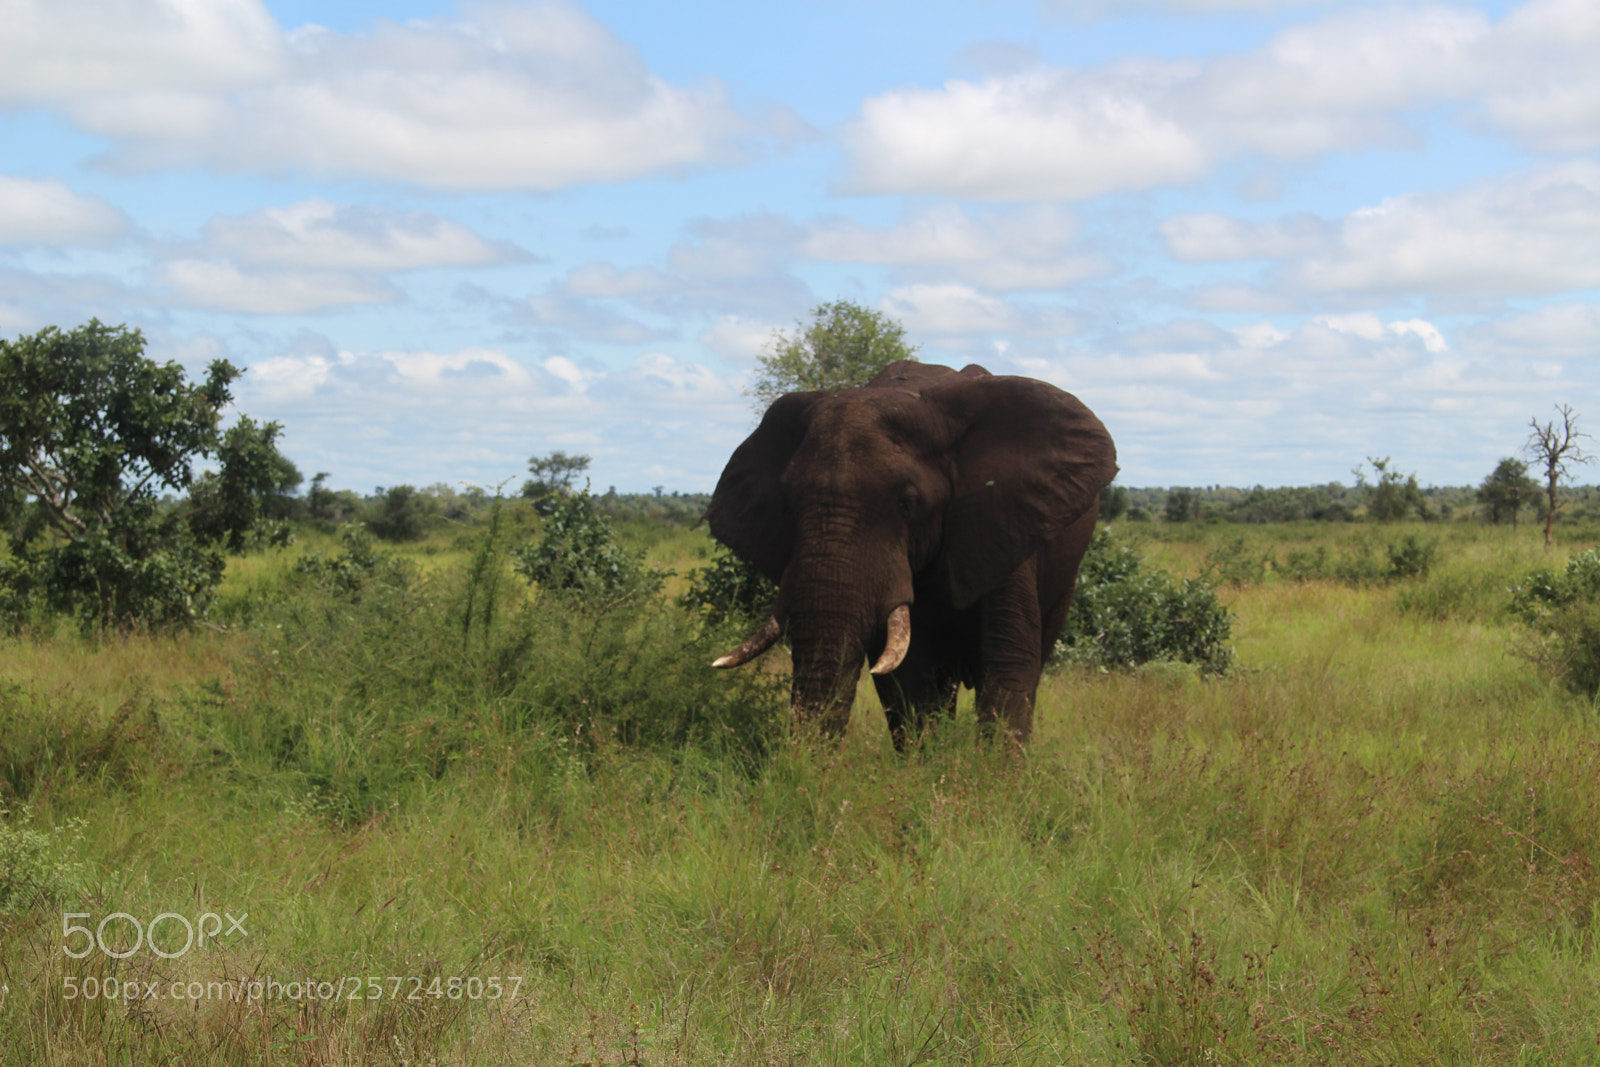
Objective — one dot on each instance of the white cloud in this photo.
(1545, 91)
(316, 233)
(1104, 8)
(44, 211)
(1343, 82)
(70, 51)
(1213, 236)
(1556, 331)
(737, 338)
(955, 309)
(1531, 232)
(222, 286)
(478, 412)
(1039, 135)
(532, 96)
(1027, 249)
(1370, 327)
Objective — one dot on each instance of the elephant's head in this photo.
(925, 482)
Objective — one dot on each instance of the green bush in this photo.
(578, 553)
(1124, 614)
(38, 866)
(355, 702)
(1562, 609)
(1360, 561)
(729, 588)
(359, 564)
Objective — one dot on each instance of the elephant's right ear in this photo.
(748, 512)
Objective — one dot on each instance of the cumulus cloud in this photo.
(477, 412)
(1555, 331)
(44, 211)
(513, 96)
(1535, 231)
(1535, 95)
(1212, 236)
(79, 51)
(1270, 401)
(1039, 135)
(737, 338)
(953, 309)
(1346, 81)
(222, 286)
(1029, 249)
(319, 234)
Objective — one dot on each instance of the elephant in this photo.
(931, 519)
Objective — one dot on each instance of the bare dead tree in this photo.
(1553, 448)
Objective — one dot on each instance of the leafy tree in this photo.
(1507, 490)
(1113, 503)
(401, 513)
(90, 432)
(1183, 505)
(1394, 496)
(1553, 449)
(249, 498)
(844, 345)
(552, 479)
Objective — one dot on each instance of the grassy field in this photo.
(462, 824)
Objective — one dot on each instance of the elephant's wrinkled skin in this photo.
(968, 496)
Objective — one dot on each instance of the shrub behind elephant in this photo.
(932, 519)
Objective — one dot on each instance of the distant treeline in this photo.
(1332, 502)
(405, 512)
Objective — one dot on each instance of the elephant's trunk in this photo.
(827, 653)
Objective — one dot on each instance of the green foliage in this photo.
(1507, 490)
(90, 432)
(1362, 561)
(402, 514)
(247, 502)
(1324, 503)
(729, 587)
(844, 345)
(1237, 562)
(1374, 844)
(359, 565)
(1182, 505)
(1113, 503)
(578, 553)
(1562, 608)
(552, 479)
(1124, 614)
(37, 866)
(1395, 495)
(358, 701)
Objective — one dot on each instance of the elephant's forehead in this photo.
(865, 419)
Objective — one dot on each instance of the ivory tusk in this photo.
(899, 640)
(753, 646)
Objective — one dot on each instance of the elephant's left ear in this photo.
(1029, 459)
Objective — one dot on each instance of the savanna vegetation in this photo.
(1371, 838)
(443, 775)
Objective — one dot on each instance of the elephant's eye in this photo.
(908, 503)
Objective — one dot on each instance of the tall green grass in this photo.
(1373, 843)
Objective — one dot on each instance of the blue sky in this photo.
(1263, 239)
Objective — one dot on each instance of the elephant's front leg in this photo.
(1009, 656)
